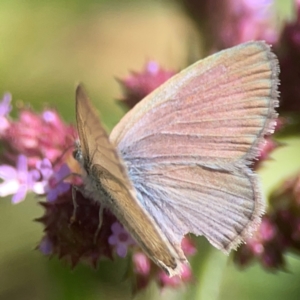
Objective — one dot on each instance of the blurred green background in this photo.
(46, 47)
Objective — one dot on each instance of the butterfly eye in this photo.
(77, 153)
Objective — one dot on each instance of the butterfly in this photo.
(180, 161)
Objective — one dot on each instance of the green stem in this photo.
(210, 276)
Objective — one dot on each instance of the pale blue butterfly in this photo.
(178, 162)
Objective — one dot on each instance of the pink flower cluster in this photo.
(139, 84)
(32, 155)
(37, 157)
(227, 23)
(279, 232)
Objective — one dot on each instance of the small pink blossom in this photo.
(142, 264)
(188, 246)
(185, 276)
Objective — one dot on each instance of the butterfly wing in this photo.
(107, 181)
(94, 143)
(187, 145)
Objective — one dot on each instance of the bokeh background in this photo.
(46, 48)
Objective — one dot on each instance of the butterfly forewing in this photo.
(94, 143)
(187, 146)
(218, 109)
(106, 181)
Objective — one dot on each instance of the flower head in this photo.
(227, 23)
(75, 241)
(279, 231)
(140, 84)
(38, 136)
(288, 51)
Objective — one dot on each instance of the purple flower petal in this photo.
(49, 116)
(63, 172)
(45, 167)
(35, 175)
(5, 106)
(20, 194)
(54, 185)
(116, 227)
(22, 164)
(17, 181)
(52, 195)
(152, 67)
(112, 240)
(121, 250)
(46, 246)
(39, 187)
(63, 187)
(8, 172)
(9, 187)
(120, 239)
(44, 163)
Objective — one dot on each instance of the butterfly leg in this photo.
(99, 224)
(73, 217)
